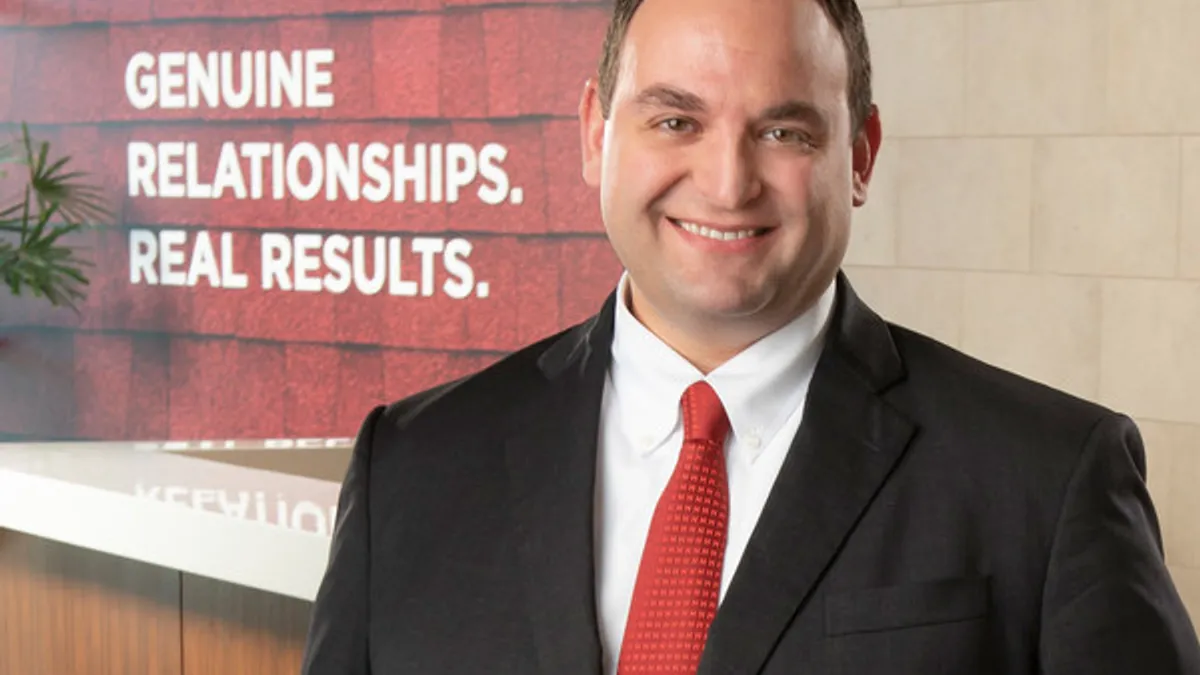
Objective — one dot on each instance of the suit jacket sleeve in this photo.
(1109, 605)
(337, 633)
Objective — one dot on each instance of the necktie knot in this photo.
(704, 417)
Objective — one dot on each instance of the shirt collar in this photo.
(760, 387)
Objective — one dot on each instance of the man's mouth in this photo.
(719, 234)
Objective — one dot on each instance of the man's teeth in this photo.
(719, 235)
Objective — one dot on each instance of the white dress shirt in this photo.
(763, 389)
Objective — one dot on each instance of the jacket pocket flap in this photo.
(904, 606)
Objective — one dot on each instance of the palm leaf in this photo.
(57, 202)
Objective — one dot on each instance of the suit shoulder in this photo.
(486, 392)
(987, 397)
(1014, 436)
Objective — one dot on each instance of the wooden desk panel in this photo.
(70, 611)
(231, 629)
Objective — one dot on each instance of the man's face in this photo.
(727, 168)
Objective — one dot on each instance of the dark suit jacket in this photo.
(934, 515)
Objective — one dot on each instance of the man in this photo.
(736, 467)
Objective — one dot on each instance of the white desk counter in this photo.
(244, 512)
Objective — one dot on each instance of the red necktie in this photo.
(679, 580)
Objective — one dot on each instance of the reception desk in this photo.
(171, 558)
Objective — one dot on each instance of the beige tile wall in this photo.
(1037, 204)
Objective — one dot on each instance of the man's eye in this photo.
(676, 125)
(789, 136)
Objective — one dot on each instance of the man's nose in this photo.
(727, 173)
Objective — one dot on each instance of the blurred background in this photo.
(320, 205)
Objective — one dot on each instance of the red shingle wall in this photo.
(145, 361)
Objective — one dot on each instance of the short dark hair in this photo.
(844, 14)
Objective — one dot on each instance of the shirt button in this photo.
(753, 442)
(646, 442)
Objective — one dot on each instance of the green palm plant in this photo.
(53, 203)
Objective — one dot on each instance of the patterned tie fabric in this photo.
(679, 580)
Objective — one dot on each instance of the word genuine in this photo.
(177, 80)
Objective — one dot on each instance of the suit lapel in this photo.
(551, 461)
(848, 443)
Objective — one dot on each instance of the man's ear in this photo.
(866, 150)
(591, 132)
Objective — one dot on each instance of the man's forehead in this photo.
(780, 29)
(792, 45)
(676, 14)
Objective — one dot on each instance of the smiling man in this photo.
(736, 466)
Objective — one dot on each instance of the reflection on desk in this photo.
(246, 512)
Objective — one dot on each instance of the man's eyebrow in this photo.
(665, 96)
(794, 110)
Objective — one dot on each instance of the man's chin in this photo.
(699, 306)
(731, 308)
